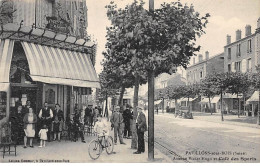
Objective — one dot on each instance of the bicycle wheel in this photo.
(109, 145)
(94, 149)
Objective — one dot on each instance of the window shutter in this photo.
(243, 66)
(233, 67)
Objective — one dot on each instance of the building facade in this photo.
(240, 55)
(198, 71)
(43, 63)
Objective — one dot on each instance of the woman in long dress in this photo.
(29, 120)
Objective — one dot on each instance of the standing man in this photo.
(141, 127)
(127, 115)
(117, 120)
(88, 113)
(46, 115)
(78, 127)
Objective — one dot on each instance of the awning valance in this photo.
(186, 99)
(60, 66)
(157, 102)
(6, 51)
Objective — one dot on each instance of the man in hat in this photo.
(141, 127)
(117, 120)
(88, 114)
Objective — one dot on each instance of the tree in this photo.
(155, 42)
(190, 91)
(207, 90)
(175, 93)
(238, 83)
(219, 85)
(6, 12)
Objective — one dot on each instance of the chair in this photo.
(5, 140)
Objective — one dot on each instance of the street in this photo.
(203, 141)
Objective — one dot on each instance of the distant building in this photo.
(242, 55)
(197, 71)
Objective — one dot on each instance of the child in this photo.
(43, 135)
(56, 128)
(101, 127)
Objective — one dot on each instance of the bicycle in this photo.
(96, 146)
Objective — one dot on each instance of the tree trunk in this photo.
(176, 108)
(189, 104)
(151, 115)
(221, 100)
(238, 106)
(120, 100)
(210, 106)
(162, 105)
(106, 109)
(244, 105)
(133, 127)
(258, 111)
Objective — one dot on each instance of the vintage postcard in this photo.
(129, 81)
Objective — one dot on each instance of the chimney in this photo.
(200, 57)
(193, 60)
(248, 30)
(228, 39)
(207, 55)
(238, 34)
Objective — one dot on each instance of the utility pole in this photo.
(151, 104)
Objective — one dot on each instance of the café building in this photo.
(44, 66)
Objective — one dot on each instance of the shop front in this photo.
(43, 66)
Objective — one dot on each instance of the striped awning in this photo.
(60, 66)
(6, 51)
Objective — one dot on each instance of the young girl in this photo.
(43, 135)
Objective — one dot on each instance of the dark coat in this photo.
(141, 122)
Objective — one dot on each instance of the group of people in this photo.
(47, 124)
(26, 124)
(122, 122)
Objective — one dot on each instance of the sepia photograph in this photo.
(130, 81)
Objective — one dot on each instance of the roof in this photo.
(205, 60)
(45, 37)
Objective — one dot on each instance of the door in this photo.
(50, 95)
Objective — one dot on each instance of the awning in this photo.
(4, 87)
(231, 96)
(215, 99)
(157, 102)
(205, 100)
(6, 51)
(60, 66)
(253, 98)
(186, 99)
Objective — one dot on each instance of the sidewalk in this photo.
(67, 151)
(228, 119)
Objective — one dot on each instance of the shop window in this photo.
(3, 104)
(50, 96)
(183, 103)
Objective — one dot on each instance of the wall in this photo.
(244, 54)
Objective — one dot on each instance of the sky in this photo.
(227, 16)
